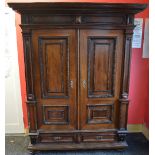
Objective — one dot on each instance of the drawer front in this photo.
(100, 137)
(56, 138)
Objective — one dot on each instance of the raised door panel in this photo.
(54, 57)
(100, 77)
(54, 66)
(101, 52)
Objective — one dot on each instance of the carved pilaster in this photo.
(32, 116)
(127, 56)
(28, 64)
(123, 113)
(31, 100)
(123, 101)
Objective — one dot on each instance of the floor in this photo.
(138, 145)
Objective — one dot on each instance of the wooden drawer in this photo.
(56, 138)
(99, 137)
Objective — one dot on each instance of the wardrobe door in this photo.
(55, 79)
(100, 78)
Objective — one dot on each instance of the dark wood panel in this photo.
(100, 57)
(49, 19)
(54, 66)
(101, 53)
(54, 63)
(100, 113)
(104, 19)
(56, 114)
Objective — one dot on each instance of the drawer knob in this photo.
(99, 137)
(57, 138)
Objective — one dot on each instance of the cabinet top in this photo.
(77, 7)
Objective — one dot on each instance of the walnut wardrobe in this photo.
(77, 58)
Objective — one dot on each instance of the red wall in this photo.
(139, 80)
(139, 84)
(21, 69)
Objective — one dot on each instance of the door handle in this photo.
(84, 83)
(71, 83)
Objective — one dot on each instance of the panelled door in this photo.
(100, 78)
(55, 78)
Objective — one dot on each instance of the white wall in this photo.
(13, 103)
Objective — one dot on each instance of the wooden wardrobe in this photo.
(77, 58)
